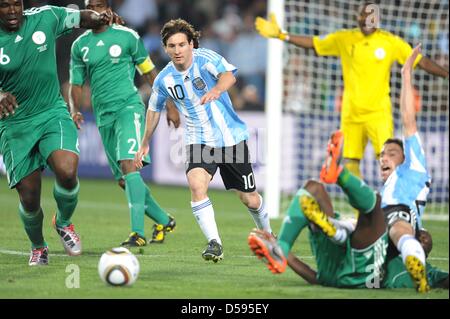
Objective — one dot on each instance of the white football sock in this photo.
(204, 214)
(261, 216)
(410, 246)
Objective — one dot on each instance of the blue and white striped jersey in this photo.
(409, 183)
(215, 124)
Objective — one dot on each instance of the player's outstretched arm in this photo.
(90, 19)
(271, 29)
(8, 104)
(75, 96)
(432, 67)
(151, 122)
(302, 269)
(225, 82)
(407, 108)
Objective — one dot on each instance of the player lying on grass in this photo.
(346, 261)
(108, 56)
(36, 130)
(347, 256)
(406, 179)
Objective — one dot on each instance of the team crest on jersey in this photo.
(199, 84)
(115, 51)
(40, 38)
(380, 54)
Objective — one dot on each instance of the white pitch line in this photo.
(21, 253)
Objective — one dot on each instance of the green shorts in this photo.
(122, 138)
(27, 145)
(346, 267)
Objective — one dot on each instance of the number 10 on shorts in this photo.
(249, 181)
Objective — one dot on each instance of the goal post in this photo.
(273, 109)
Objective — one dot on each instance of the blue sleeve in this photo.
(414, 154)
(158, 98)
(216, 64)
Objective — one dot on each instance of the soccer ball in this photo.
(118, 267)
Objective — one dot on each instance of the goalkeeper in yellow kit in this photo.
(367, 54)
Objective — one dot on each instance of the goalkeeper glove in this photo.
(270, 29)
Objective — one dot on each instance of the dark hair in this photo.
(397, 141)
(180, 26)
(107, 2)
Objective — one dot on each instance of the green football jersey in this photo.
(28, 61)
(344, 266)
(108, 59)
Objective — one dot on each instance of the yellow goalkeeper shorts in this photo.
(356, 136)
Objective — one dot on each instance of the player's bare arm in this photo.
(407, 108)
(432, 67)
(75, 96)
(172, 115)
(90, 19)
(226, 81)
(151, 122)
(8, 104)
(302, 269)
(271, 29)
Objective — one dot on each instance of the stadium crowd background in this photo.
(228, 28)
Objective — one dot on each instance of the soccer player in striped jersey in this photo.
(197, 80)
(406, 182)
(108, 57)
(367, 54)
(36, 130)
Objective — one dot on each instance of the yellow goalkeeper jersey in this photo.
(366, 65)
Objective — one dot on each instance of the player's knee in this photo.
(198, 187)
(398, 229)
(315, 188)
(67, 177)
(30, 201)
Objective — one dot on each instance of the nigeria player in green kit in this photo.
(356, 257)
(35, 126)
(348, 254)
(108, 56)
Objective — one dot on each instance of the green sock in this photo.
(360, 196)
(135, 191)
(32, 223)
(153, 210)
(293, 224)
(66, 201)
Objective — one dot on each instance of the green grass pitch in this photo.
(174, 269)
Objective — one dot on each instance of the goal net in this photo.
(313, 88)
